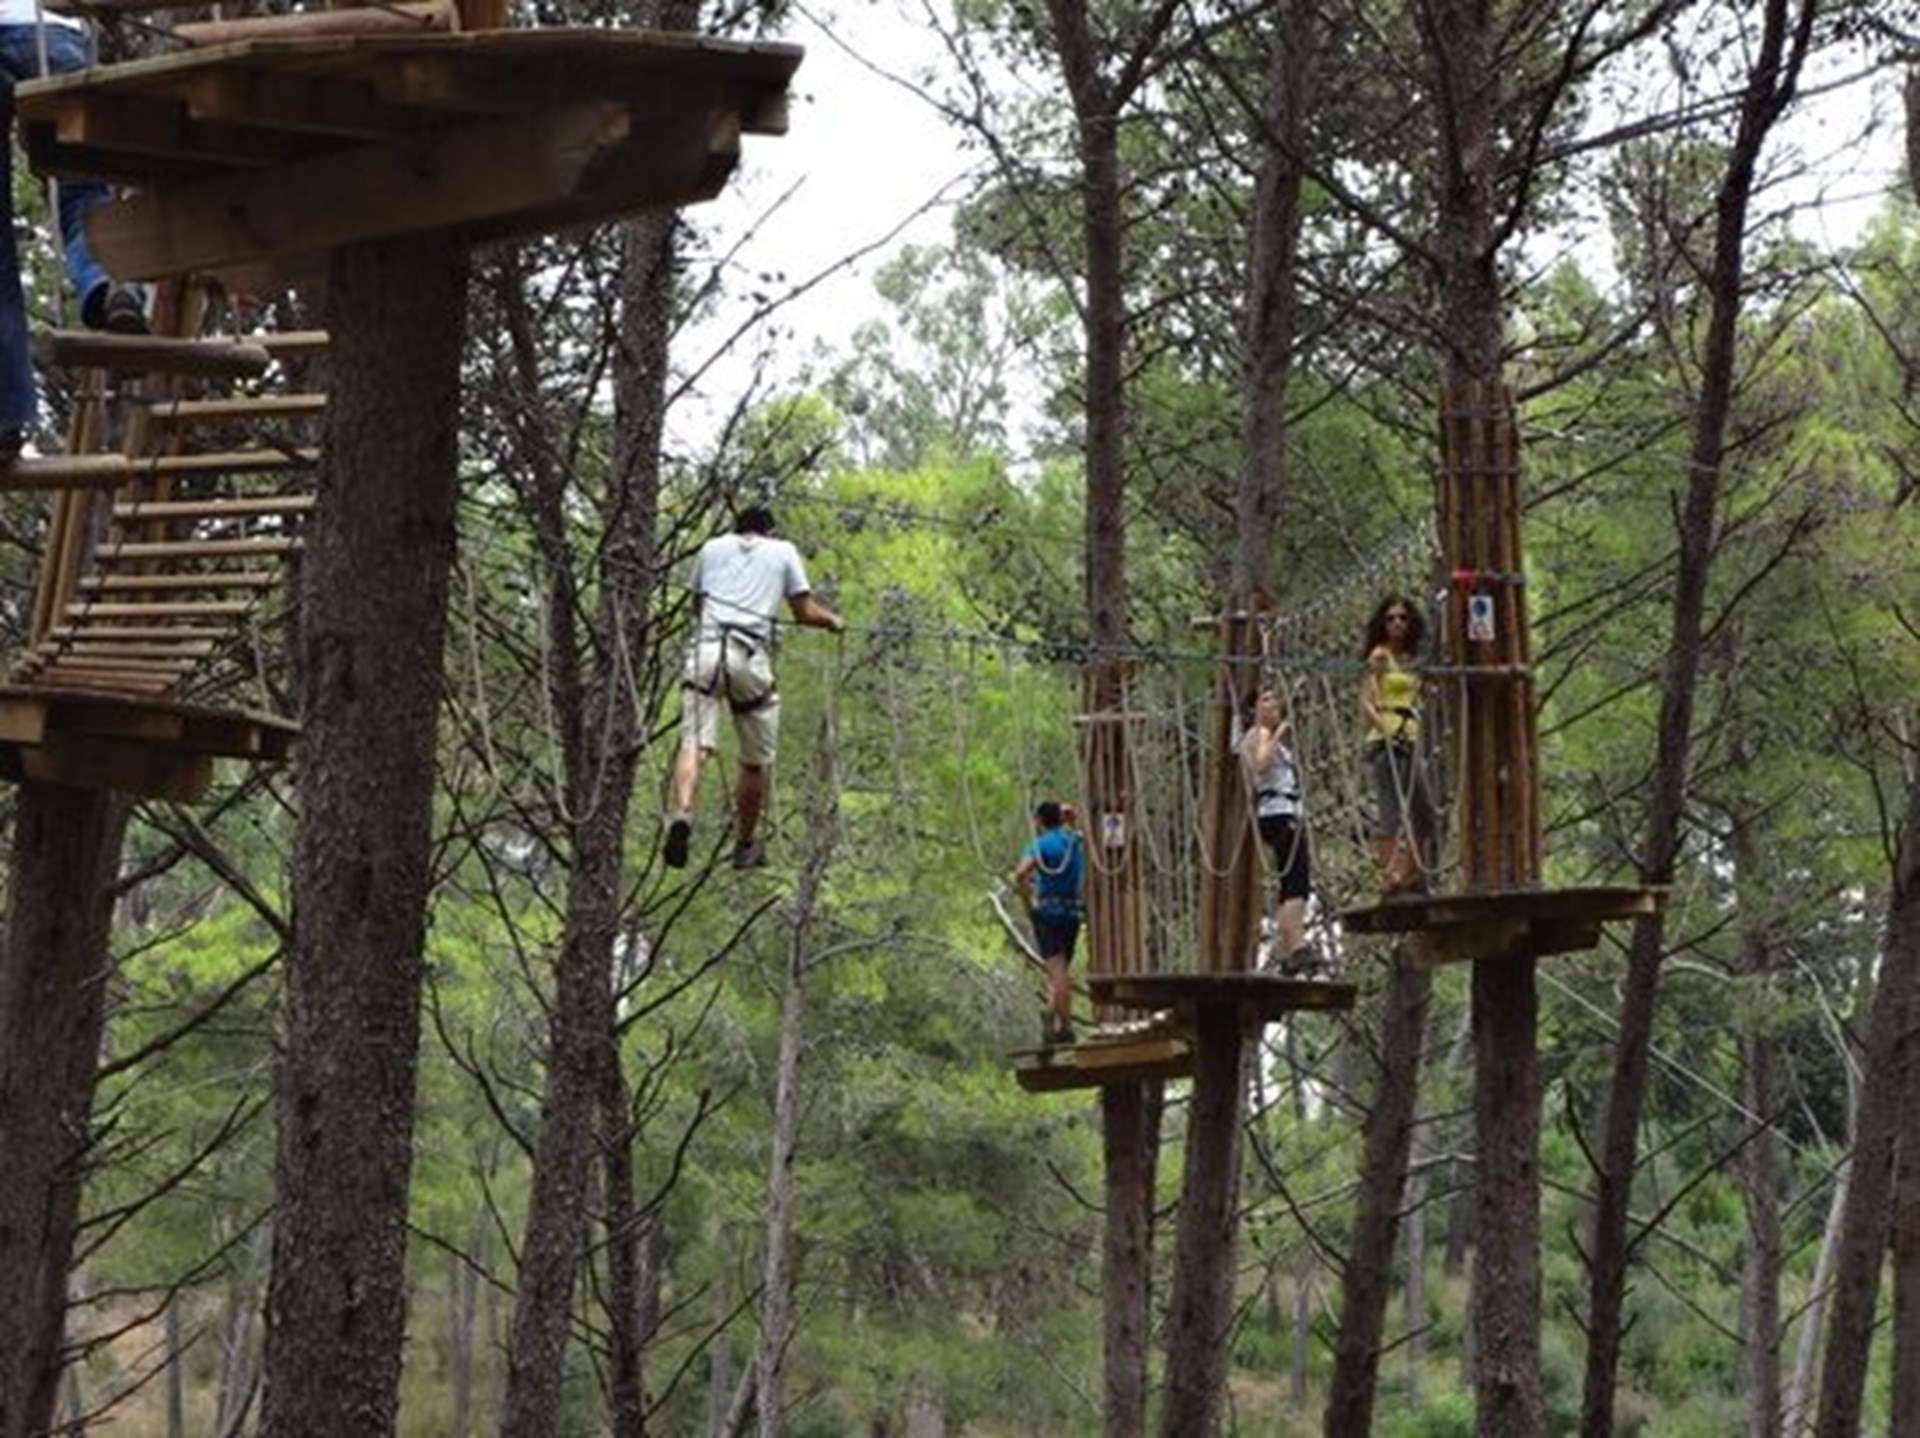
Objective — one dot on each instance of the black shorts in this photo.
(1056, 935)
(1292, 860)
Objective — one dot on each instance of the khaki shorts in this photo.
(733, 674)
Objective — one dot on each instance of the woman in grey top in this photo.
(1273, 775)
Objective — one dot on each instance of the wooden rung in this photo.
(66, 471)
(407, 17)
(97, 649)
(155, 354)
(67, 660)
(114, 679)
(232, 461)
(192, 549)
(162, 609)
(236, 407)
(131, 632)
(240, 579)
(282, 343)
(215, 508)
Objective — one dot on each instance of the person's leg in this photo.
(699, 731)
(17, 399)
(1060, 995)
(1387, 818)
(758, 730)
(69, 49)
(686, 777)
(748, 800)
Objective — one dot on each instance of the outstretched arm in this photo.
(811, 612)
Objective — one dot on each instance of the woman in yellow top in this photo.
(1404, 820)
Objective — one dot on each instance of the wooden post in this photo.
(1229, 934)
(1116, 914)
(1488, 682)
(1490, 690)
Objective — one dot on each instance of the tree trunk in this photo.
(1764, 1259)
(1414, 1290)
(1798, 1407)
(379, 550)
(1366, 1279)
(1506, 1274)
(1763, 1256)
(720, 1381)
(601, 741)
(1905, 1397)
(1272, 298)
(176, 1387)
(1770, 86)
(1886, 1068)
(634, 1252)
(1127, 1254)
(777, 1273)
(462, 1284)
(53, 1006)
(1200, 1312)
(776, 1304)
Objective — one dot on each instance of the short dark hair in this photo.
(1047, 811)
(754, 519)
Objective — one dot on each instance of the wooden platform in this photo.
(1100, 1059)
(157, 748)
(1254, 995)
(1506, 924)
(259, 157)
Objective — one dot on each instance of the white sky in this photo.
(866, 162)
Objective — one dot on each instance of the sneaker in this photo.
(12, 441)
(1055, 1035)
(117, 309)
(749, 854)
(679, 841)
(1300, 964)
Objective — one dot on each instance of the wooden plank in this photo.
(90, 763)
(193, 549)
(121, 685)
(22, 720)
(403, 16)
(1099, 1063)
(142, 125)
(69, 661)
(218, 507)
(231, 461)
(102, 649)
(136, 632)
(286, 344)
(343, 109)
(119, 583)
(164, 609)
(65, 471)
(236, 407)
(477, 172)
(1255, 995)
(153, 354)
(1412, 913)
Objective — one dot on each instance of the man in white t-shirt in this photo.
(741, 580)
(32, 45)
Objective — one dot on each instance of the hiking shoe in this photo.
(117, 309)
(12, 441)
(749, 854)
(1300, 964)
(1056, 1035)
(679, 841)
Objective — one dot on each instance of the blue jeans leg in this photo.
(67, 48)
